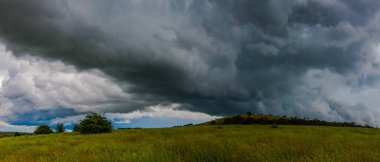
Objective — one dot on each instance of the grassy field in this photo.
(201, 143)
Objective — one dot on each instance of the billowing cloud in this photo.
(315, 58)
(30, 84)
(15, 128)
(172, 112)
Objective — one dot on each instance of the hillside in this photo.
(247, 119)
(200, 143)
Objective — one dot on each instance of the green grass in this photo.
(201, 143)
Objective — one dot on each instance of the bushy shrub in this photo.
(60, 128)
(94, 123)
(43, 129)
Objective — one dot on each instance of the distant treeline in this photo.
(282, 120)
(129, 128)
(186, 125)
(11, 134)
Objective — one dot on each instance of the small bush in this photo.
(43, 129)
(94, 123)
(60, 128)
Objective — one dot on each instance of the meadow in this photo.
(200, 143)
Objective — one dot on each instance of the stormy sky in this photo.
(167, 62)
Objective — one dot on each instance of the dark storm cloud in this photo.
(216, 56)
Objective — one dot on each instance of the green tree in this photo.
(213, 122)
(43, 129)
(60, 128)
(76, 128)
(95, 123)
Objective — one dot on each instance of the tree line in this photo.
(283, 120)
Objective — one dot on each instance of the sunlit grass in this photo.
(201, 143)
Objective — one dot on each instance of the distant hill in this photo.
(12, 134)
(248, 118)
(6, 134)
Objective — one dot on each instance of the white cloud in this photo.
(160, 111)
(30, 83)
(6, 127)
(172, 111)
(337, 97)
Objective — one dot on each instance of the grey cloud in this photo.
(215, 56)
(265, 49)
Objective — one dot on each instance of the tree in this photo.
(43, 129)
(213, 122)
(60, 128)
(95, 123)
(76, 128)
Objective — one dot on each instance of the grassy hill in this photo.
(201, 143)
